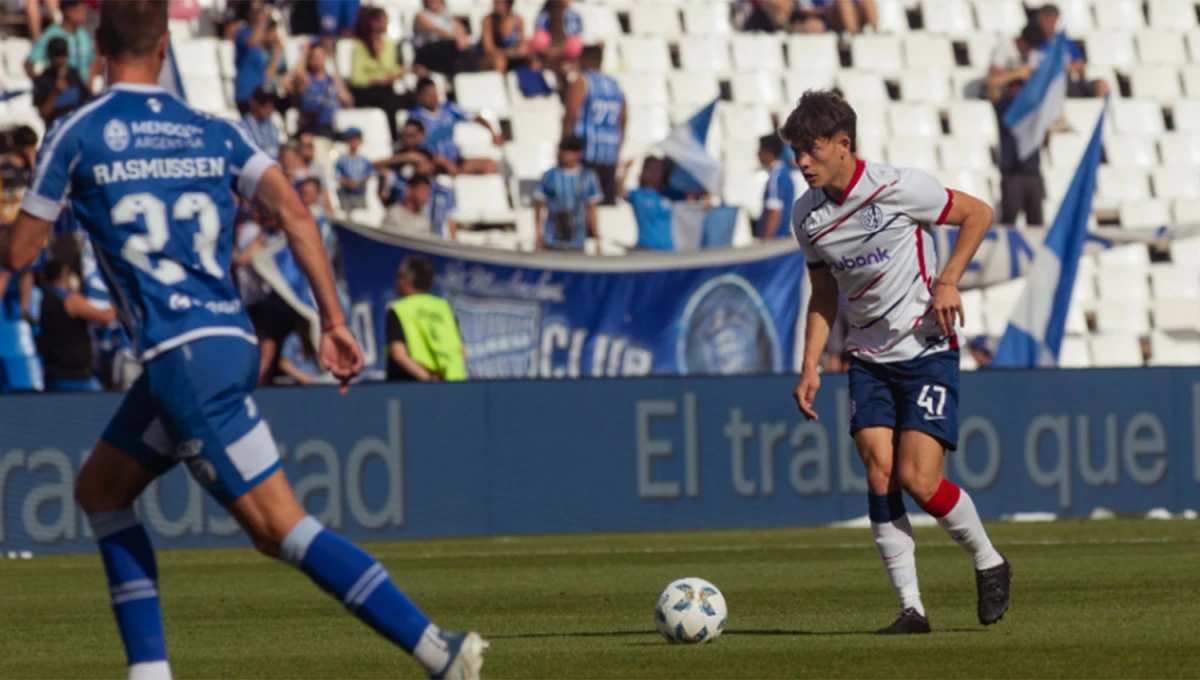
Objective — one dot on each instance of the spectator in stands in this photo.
(565, 201)
(81, 49)
(352, 172)
(1021, 188)
(306, 144)
(780, 193)
(981, 351)
(375, 68)
(557, 37)
(596, 112)
(422, 334)
(441, 42)
(1015, 60)
(258, 55)
(320, 92)
(312, 197)
(843, 16)
(338, 18)
(292, 163)
(259, 124)
(422, 206)
(409, 151)
(1078, 84)
(58, 90)
(439, 120)
(64, 343)
(502, 43)
(769, 16)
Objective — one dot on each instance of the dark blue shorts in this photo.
(919, 394)
(337, 16)
(192, 404)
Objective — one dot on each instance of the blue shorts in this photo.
(337, 16)
(192, 404)
(919, 394)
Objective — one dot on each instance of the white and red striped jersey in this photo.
(877, 241)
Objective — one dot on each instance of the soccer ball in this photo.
(690, 610)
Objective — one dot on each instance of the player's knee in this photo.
(267, 542)
(920, 485)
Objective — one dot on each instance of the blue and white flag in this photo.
(278, 268)
(1040, 101)
(1035, 331)
(696, 169)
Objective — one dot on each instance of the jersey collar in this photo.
(136, 87)
(859, 166)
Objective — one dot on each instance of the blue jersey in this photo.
(439, 128)
(567, 191)
(779, 194)
(353, 167)
(152, 182)
(599, 122)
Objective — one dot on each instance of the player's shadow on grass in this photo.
(734, 632)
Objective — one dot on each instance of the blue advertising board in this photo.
(520, 457)
(732, 311)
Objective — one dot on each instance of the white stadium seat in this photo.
(1189, 75)
(979, 48)
(1082, 114)
(1160, 83)
(1187, 115)
(872, 122)
(1122, 183)
(482, 198)
(1066, 149)
(745, 122)
(1169, 349)
(970, 153)
(533, 126)
(225, 58)
(912, 152)
(797, 82)
(947, 17)
(1176, 314)
(1175, 281)
(619, 225)
(974, 182)
(1075, 16)
(1130, 150)
(646, 125)
(924, 51)
(1186, 211)
(1175, 181)
(1160, 48)
(1145, 214)
(1137, 116)
(654, 18)
(646, 53)
(1133, 255)
(483, 91)
(973, 119)
(999, 300)
(705, 54)
(815, 52)
(757, 51)
(706, 19)
(893, 18)
(1171, 15)
(1005, 16)
(857, 86)
(530, 160)
(972, 301)
(197, 57)
(207, 94)
(647, 88)
(1110, 48)
(1191, 38)
(878, 53)
(476, 141)
(1116, 350)
(693, 87)
(1121, 15)
(930, 86)
(1074, 353)
(600, 24)
(343, 56)
(757, 87)
(1076, 321)
(1122, 283)
(1185, 252)
(913, 120)
(377, 137)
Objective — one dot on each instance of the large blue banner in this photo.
(726, 312)
(525, 457)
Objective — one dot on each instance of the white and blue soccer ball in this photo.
(691, 610)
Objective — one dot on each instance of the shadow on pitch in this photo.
(734, 632)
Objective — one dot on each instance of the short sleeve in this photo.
(37, 54)
(593, 187)
(774, 198)
(249, 161)
(457, 112)
(811, 259)
(922, 197)
(242, 37)
(395, 330)
(339, 169)
(52, 181)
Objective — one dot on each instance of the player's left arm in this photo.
(973, 218)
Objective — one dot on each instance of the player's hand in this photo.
(947, 304)
(806, 393)
(340, 355)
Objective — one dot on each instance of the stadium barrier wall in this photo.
(520, 457)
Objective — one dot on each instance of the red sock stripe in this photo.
(943, 500)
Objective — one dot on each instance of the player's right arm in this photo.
(822, 309)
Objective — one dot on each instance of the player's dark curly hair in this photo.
(820, 114)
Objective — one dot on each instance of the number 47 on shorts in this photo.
(933, 400)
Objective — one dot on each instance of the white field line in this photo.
(398, 553)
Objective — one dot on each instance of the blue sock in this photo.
(884, 508)
(348, 573)
(133, 584)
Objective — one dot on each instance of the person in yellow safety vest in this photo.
(422, 334)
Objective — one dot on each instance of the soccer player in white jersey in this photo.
(864, 229)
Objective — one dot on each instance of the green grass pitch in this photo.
(1090, 599)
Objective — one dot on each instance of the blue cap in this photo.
(981, 343)
(351, 132)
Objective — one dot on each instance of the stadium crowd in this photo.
(301, 70)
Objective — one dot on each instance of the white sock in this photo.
(431, 651)
(898, 550)
(150, 670)
(961, 521)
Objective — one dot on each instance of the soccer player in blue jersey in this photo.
(153, 182)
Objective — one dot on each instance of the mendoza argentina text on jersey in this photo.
(152, 180)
